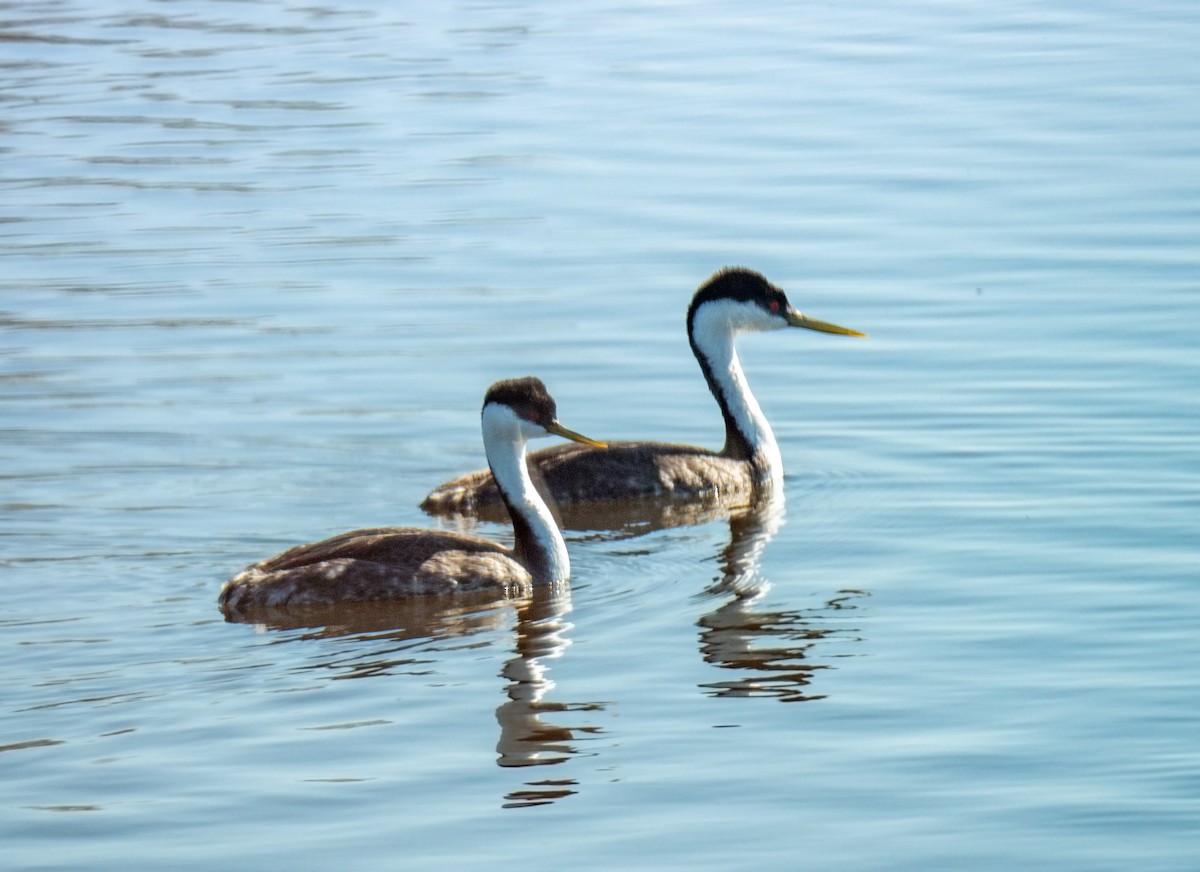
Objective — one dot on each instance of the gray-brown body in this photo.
(396, 563)
(377, 564)
(733, 301)
(625, 470)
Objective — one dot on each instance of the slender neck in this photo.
(748, 435)
(538, 544)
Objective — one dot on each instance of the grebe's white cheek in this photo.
(501, 424)
(755, 318)
(775, 322)
(760, 320)
(719, 318)
(531, 430)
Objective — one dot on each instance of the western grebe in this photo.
(393, 562)
(732, 301)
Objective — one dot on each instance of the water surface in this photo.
(259, 262)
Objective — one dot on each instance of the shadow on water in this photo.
(733, 628)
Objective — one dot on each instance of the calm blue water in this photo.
(259, 262)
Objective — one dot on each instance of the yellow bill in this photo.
(798, 319)
(559, 430)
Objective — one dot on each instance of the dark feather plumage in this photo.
(623, 471)
(377, 564)
(397, 562)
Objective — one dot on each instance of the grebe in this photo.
(732, 301)
(393, 562)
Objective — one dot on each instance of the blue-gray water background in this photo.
(259, 261)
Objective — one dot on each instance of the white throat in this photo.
(715, 326)
(504, 438)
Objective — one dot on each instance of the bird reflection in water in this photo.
(771, 648)
(404, 636)
(385, 637)
(783, 670)
(526, 738)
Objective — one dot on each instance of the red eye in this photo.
(774, 307)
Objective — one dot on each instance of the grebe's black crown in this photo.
(740, 285)
(526, 396)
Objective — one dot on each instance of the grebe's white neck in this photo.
(712, 331)
(539, 545)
